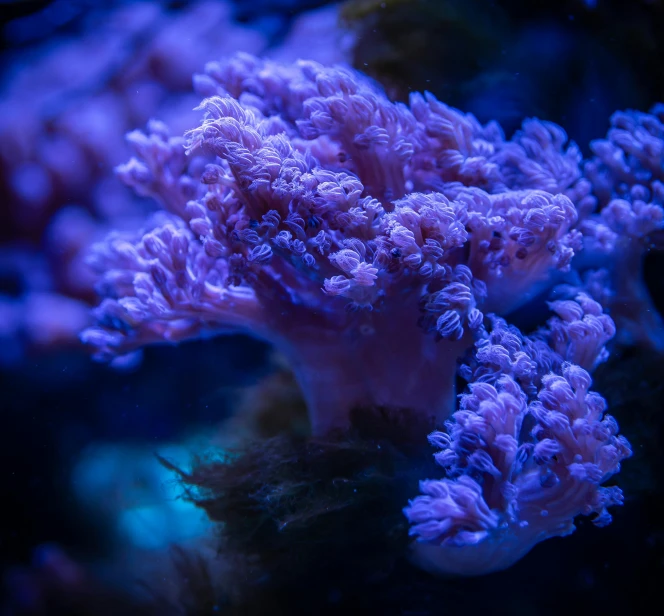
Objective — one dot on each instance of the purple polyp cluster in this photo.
(519, 469)
(376, 244)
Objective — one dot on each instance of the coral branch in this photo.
(517, 473)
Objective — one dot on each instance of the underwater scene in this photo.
(316, 307)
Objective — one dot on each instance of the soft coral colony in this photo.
(379, 247)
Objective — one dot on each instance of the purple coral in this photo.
(528, 450)
(517, 473)
(627, 174)
(366, 240)
(303, 214)
(632, 155)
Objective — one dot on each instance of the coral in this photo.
(366, 240)
(626, 174)
(517, 473)
(628, 163)
(578, 334)
(303, 215)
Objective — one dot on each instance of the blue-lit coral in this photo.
(526, 452)
(376, 244)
